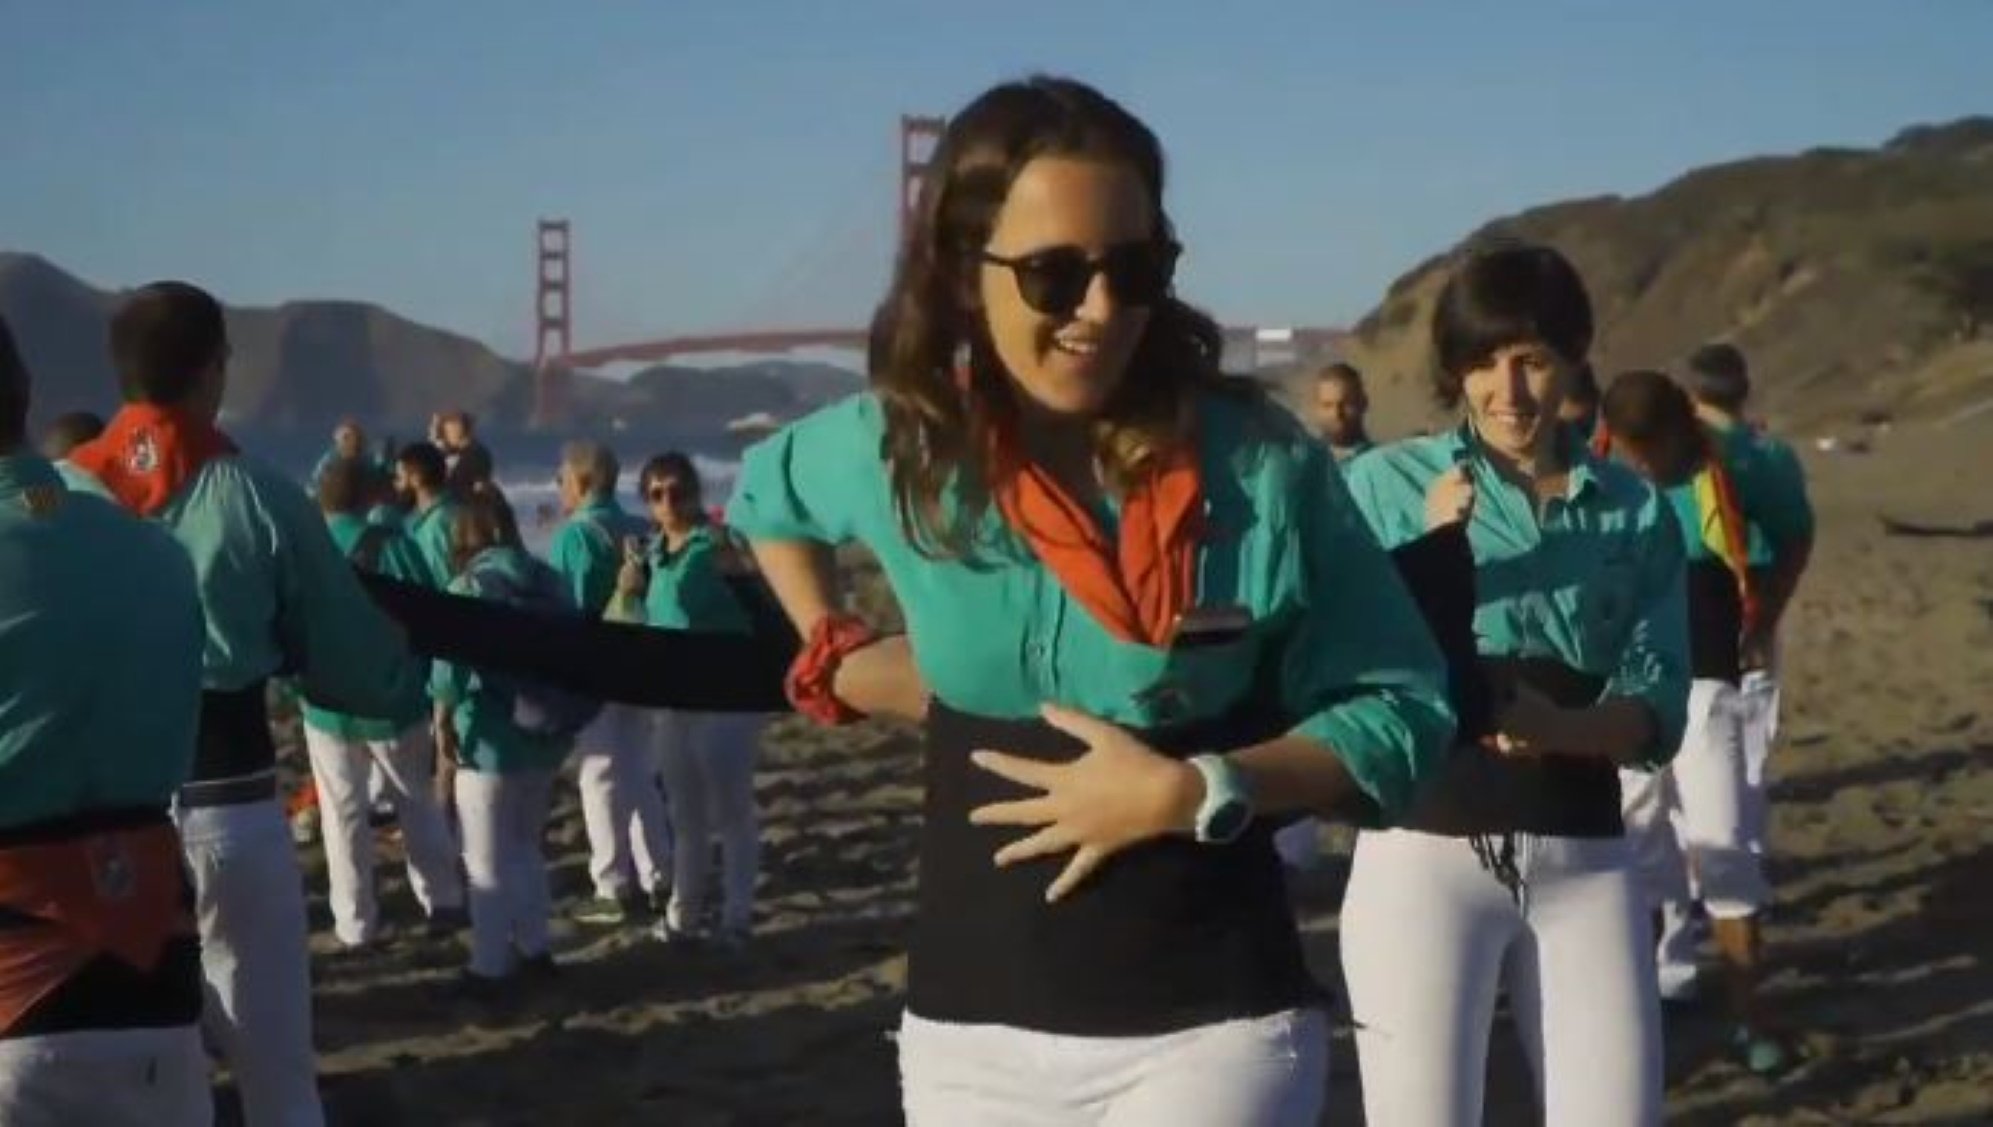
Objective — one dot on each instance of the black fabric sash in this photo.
(607, 661)
(1167, 935)
(234, 735)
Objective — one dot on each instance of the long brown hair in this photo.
(937, 428)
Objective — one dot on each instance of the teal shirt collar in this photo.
(1462, 443)
(22, 472)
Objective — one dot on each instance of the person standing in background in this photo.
(1338, 407)
(348, 752)
(349, 442)
(421, 479)
(279, 597)
(680, 582)
(100, 688)
(1780, 548)
(1580, 410)
(621, 806)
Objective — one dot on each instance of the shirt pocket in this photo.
(1608, 604)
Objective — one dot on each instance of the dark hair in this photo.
(1503, 295)
(472, 468)
(938, 427)
(1719, 376)
(1342, 373)
(672, 463)
(69, 431)
(14, 391)
(163, 338)
(1643, 408)
(346, 486)
(483, 520)
(424, 463)
(1584, 389)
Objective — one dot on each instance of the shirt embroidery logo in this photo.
(42, 500)
(143, 457)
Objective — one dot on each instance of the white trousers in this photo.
(707, 759)
(1691, 822)
(503, 818)
(1256, 1072)
(249, 899)
(106, 1078)
(1428, 937)
(629, 839)
(405, 767)
(1760, 693)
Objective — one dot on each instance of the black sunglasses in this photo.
(1054, 281)
(665, 491)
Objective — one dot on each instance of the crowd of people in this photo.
(1157, 629)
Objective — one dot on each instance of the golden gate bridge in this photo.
(555, 359)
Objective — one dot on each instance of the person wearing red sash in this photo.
(279, 598)
(100, 643)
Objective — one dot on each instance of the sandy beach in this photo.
(1879, 943)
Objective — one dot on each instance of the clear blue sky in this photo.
(731, 162)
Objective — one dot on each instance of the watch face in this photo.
(1228, 821)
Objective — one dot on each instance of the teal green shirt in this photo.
(280, 597)
(431, 530)
(1596, 582)
(587, 551)
(398, 559)
(388, 516)
(100, 652)
(1771, 488)
(482, 712)
(688, 591)
(999, 636)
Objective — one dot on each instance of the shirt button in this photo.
(1036, 650)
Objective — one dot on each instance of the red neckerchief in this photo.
(147, 453)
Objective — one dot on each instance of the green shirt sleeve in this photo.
(1654, 665)
(349, 655)
(796, 484)
(1361, 665)
(571, 558)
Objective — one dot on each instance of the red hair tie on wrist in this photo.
(811, 676)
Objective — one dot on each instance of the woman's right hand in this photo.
(1450, 499)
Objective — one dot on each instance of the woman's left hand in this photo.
(1118, 793)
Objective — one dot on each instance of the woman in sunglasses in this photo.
(1512, 870)
(678, 581)
(1144, 622)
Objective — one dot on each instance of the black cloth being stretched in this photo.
(609, 661)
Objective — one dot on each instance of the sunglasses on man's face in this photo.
(1054, 281)
(664, 491)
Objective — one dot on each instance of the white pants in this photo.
(1428, 936)
(106, 1078)
(249, 899)
(708, 763)
(1691, 822)
(1257, 1072)
(503, 818)
(404, 765)
(1300, 844)
(629, 839)
(1760, 693)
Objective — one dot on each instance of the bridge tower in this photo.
(553, 330)
(918, 138)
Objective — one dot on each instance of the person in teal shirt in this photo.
(279, 598)
(1513, 870)
(622, 808)
(504, 781)
(349, 442)
(100, 690)
(1696, 821)
(680, 582)
(420, 479)
(1338, 406)
(1144, 622)
(347, 751)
